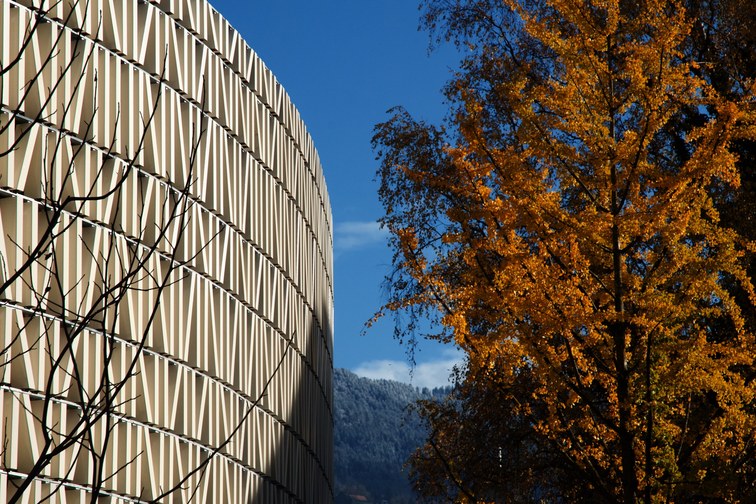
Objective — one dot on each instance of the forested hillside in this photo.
(375, 433)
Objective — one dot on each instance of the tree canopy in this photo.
(565, 226)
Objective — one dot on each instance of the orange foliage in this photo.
(564, 231)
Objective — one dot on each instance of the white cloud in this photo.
(429, 374)
(352, 235)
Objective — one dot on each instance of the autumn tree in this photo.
(564, 227)
(479, 447)
(725, 40)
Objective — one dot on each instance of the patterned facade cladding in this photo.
(165, 259)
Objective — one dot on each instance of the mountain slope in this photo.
(374, 434)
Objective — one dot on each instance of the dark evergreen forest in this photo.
(375, 431)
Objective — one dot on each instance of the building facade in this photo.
(166, 296)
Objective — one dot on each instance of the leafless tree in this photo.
(69, 355)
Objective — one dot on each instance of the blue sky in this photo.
(344, 63)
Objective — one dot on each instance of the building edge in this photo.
(189, 156)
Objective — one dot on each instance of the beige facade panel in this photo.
(166, 302)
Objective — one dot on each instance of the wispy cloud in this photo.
(429, 374)
(353, 235)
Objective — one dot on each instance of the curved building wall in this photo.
(165, 259)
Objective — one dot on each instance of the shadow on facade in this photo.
(300, 468)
